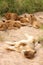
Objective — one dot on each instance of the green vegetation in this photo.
(21, 6)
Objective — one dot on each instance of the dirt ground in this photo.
(14, 58)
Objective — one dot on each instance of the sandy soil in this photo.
(14, 58)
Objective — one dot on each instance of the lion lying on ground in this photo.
(12, 24)
(13, 21)
(34, 22)
(30, 19)
(9, 24)
(11, 16)
(27, 47)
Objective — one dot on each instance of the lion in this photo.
(9, 24)
(26, 47)
(13, 21)
(11, 16)
(34, 22)
(26, 21)
(30, 19)
(12, 24)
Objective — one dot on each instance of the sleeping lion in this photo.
(26, 47)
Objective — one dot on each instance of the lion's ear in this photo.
(31, 15)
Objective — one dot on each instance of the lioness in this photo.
(27, 47)
(34, 22)
(11, 16)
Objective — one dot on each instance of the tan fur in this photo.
(34, 22)
(2, 26)
(9, 24)
(23, 20)
(11, 16)
(27, 47)
(30, 19)
(12, 24)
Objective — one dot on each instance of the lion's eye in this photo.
(23, 44)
